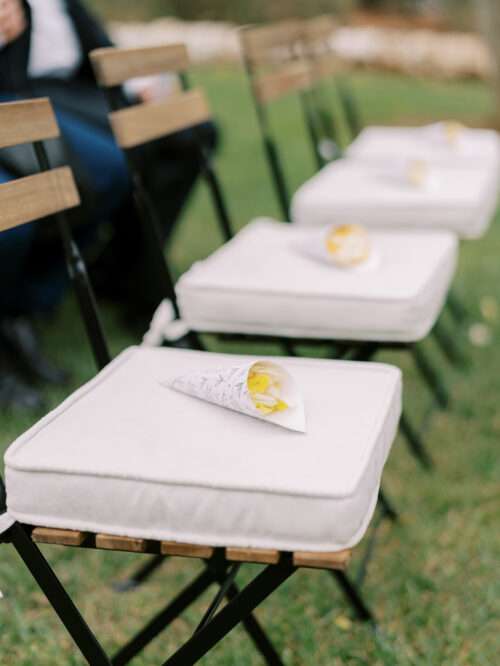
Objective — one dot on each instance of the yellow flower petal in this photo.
(348, 244)
(265, 393)
(258, 383)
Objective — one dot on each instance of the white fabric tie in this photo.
(5, 522)
(164, 326)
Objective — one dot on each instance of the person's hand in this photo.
(153, 88)
(12, 20)
(148, 93)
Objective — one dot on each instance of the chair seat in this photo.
(124, 455)
(477, 148)
(463, 201)
(263, 282)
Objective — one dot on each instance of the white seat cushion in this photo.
(462, 200)
(478, 148)
(262, 282)
(124, 455)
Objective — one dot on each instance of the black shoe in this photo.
(19, 340)
(15, 394)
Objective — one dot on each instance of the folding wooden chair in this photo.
(103, 471)
(478, 156)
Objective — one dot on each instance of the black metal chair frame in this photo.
(217, 622)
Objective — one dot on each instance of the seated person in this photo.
(44, 47)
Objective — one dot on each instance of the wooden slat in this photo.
(319, 29)
(58, 537)
(27, 121)
(128, 544)
(257, 555)
(186, 550)
(31, 198)
(264, 43)
(338, 560)
(324, 66)
(145, 122)
(283, 81)
(113, 66)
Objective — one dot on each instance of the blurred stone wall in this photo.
(420, 52)
(237, 11)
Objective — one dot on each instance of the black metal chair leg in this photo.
(354, 597)
(449, 347)
(254, 630)
(368, 551)
(415, 442)
(457, 307)
(387, 506)
(431, 376)
(58, 597)
(288, 347)
(240, 607)
(141, 575)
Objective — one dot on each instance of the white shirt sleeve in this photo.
(55, 48)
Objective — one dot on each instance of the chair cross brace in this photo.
(242, 605)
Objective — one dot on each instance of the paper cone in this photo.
(447, 134)
(348, 247)
(415, 173)
(229, 387)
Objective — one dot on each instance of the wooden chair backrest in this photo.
(33, 197)
(316, 37)
(318, 30)
(271, 43)
(273, 58)
(138, 124)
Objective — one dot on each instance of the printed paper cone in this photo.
(447, 134)
(417, 174)
(261, 389)
(348, 247)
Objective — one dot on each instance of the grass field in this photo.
(435, 579)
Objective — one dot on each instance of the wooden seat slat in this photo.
(186, 550)
(329, 560)
(58, 537)
(336, 560)
(255, 555)
(127, 544)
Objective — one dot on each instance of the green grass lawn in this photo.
(435, 578)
